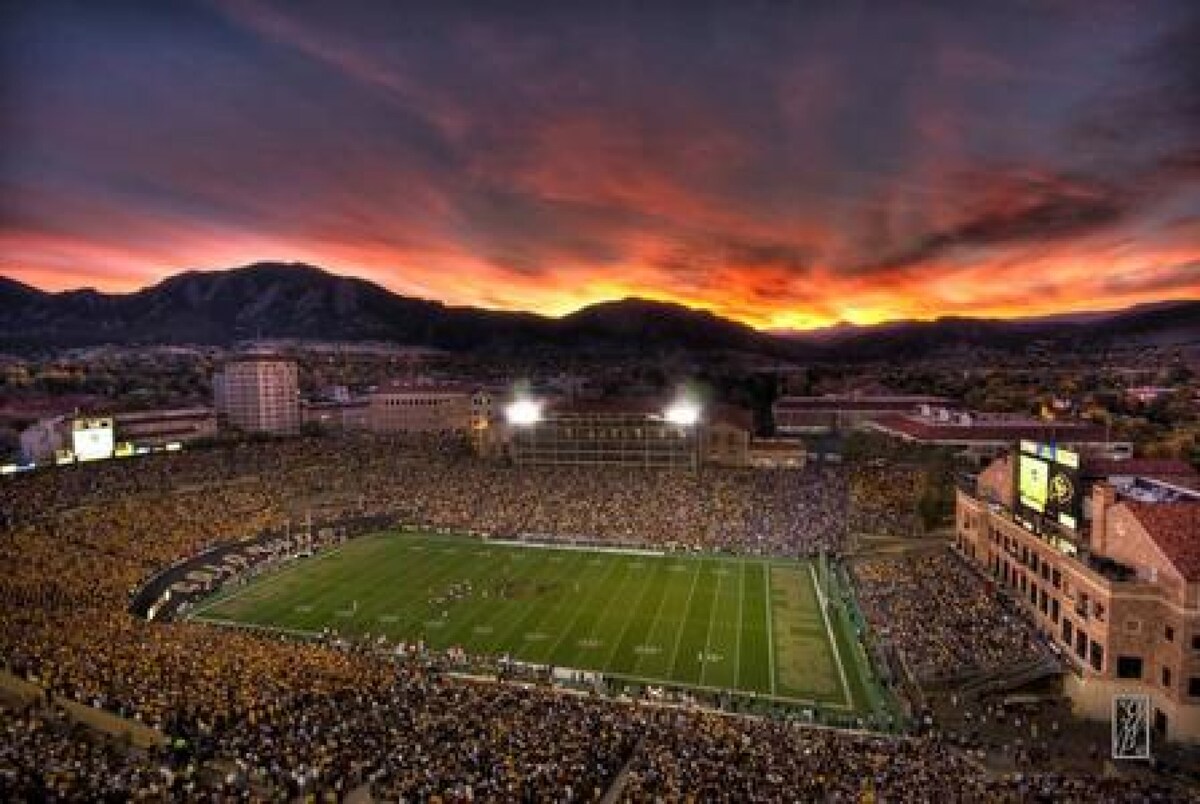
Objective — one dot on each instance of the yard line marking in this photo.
(712, 615)
(580, 609)
(686, 608)
(633, 615)
(737, 662)
(770, 628)
(653, 623)
(536, 615)
(837, 656)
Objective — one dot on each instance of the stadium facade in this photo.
(1118, 595)
(605, 432)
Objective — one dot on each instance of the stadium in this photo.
(365, 618)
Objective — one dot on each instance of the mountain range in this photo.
(296, 301)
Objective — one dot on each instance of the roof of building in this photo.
(775, 445)
(1170, 469)
(992, 431)
(600, 406)
(733, 416)
(257, 357)
(647, 406)
(424, 387)
(897, 402)
(133, 416)
(333, 404)
(1175, 528)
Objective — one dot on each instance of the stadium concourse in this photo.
(254, 716)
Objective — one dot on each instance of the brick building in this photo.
(1120, 597)
(419, 407)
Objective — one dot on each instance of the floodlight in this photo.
(523, 412)
(685, 414)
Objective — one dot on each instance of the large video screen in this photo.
(1033, 483)
(1048, 484)
(92, 439)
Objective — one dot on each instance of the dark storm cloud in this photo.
(1153, 115)
(1019, 210)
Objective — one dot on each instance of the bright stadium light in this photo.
(523, 412)
(685, 414)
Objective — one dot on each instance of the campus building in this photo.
(419, 407)
(986, 435)
(158, 428)
(258, 393)
(816, 415)
(1118, 596)
(131, 432)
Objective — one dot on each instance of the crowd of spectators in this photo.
(934, 611)
(785, 512)
(883, 500)
(251, 716)
(696, 756)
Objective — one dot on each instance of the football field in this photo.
(746, 624)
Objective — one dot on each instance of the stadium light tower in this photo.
(684, 413)
(523, 412)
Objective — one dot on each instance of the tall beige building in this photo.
(258, 394)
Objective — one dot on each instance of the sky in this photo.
(785, 164)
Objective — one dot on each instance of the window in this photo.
(1133, 626)
(1169, 634)
(1195, 641)
(1054, 609)
(1056, 579)
(1081, 643)
(1097, 656)
(1068, 631)
(1166, 677)
(1194, 686)
(1129, 667)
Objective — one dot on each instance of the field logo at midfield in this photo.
(1131, 727)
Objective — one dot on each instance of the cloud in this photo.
(785, 166)
(1018, 208)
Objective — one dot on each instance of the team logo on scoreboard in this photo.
(1131, 727)
(1062, 490)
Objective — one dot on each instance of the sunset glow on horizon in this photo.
(788, 168)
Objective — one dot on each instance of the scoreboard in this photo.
(1048, 484)
(92, 438)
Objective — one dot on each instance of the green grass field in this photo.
(744, 624)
